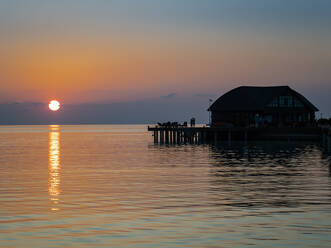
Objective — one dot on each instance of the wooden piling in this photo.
(185, 137)
(167, 137)
(161, 137)
(199, 137)
(156, 137)
(229, 136)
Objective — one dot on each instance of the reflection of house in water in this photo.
(276, 151)
(271, 106)
(267, 174)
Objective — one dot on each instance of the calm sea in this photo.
(110, 186)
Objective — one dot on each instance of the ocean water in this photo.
(110, 186)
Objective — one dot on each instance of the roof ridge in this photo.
(252, 86)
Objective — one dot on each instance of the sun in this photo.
(54, 105)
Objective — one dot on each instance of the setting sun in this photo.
(54, 105)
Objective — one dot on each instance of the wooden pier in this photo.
(200, 135)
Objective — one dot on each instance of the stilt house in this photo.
(248, 106)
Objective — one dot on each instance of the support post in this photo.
(161, 137)
(199, 137)
(155, 137)
(167, 136)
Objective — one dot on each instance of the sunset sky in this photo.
(150, 51)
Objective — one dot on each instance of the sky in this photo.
(131, 60)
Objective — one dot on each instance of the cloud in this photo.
(169, 96)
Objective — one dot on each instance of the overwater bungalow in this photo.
(250, 106)
(251, 113)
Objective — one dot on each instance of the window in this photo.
(273, 103)
(297, 103)
(285, 101)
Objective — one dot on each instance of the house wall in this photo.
(271, 117)
(283, 110)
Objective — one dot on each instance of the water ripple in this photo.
(98, 186)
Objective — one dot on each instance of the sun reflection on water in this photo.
(54, 165)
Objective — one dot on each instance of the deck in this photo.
(200, 135)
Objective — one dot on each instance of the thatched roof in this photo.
(252, 98)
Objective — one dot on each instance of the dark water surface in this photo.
(110, 186)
